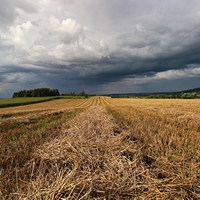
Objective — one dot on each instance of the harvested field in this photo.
(114, 149)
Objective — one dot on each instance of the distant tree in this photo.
(15, 94)
(193, 95)
(82, 93)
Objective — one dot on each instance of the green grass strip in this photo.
(10, 102)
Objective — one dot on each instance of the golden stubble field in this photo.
(101, 148)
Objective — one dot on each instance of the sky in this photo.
(112, 46)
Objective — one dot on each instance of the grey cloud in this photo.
(27, 6)
(9, 12)
(104, 43)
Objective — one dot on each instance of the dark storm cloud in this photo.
(108, 44)
(117, 68)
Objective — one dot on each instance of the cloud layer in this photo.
(113, 46)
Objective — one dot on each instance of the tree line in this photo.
(38, 92)
(191, 95)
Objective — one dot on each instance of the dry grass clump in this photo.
(94, 158)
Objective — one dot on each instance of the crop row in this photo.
(20, 136)
(167, 138)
